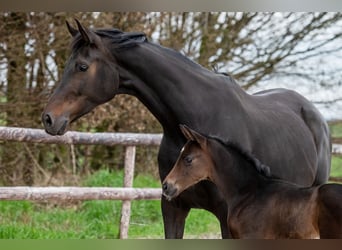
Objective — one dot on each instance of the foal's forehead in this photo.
(189, 147)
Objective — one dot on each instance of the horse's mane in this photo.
(258, 165)
(117, 37)
(122, 39)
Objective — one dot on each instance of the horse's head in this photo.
(90, 78)
(192, 166)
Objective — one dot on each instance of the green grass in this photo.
(95, 219)
(336, 130)
(336, 166)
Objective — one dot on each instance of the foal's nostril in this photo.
(47, 120)
(164, 186)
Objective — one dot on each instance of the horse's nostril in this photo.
(47, 120)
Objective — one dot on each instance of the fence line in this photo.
(126, 194)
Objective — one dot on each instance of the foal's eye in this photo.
(82, 67)
(188, 160)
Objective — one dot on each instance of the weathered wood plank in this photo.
(73, 137)
(128, 182)
(78, 193)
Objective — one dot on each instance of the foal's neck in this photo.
(235, 175)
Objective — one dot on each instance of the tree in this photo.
(254, 46)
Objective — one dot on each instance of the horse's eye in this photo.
(82, 67)
(188, 160)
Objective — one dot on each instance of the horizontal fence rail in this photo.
(336, 149)
(87, 138)
(73, 137)
(78, 193)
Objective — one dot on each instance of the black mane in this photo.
(258, 165)
(120, 39)
(125, 40)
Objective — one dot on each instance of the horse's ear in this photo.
(88, 36)
(71, 29)
(191, 134)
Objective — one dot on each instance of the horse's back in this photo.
(300, 113)
(286, 98)
(330, 211)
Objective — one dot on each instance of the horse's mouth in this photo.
(63, 129)
(57, 131)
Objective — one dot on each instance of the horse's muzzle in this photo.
(54, 126)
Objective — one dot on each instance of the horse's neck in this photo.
(233, 174)
(173, 88)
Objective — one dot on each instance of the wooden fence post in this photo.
(128, 182)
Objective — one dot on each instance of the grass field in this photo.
(336, 130)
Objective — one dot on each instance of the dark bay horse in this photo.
(279, 126)
(259, 206)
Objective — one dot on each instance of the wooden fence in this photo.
(125, 193)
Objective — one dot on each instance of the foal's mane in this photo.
(260, 167)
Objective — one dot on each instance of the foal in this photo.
(259, 206)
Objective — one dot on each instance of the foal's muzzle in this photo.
(169, 191)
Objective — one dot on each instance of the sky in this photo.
(318, 95)
(327, 98)
(324, 88)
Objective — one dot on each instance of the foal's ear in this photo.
(71, 29)
(192, 135)
(87, 35)
(186, 132)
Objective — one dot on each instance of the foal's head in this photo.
(193, 165)
(196, 163)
